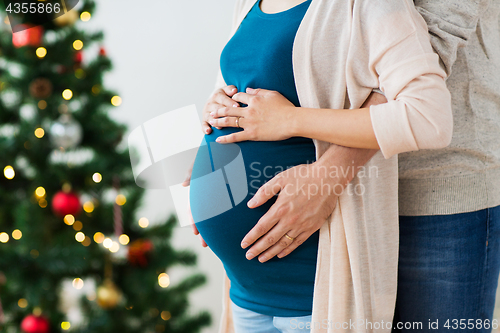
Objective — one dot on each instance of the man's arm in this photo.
(451, 24)
(305, 211)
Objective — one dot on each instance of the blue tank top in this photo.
(259, 55)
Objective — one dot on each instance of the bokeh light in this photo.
(69, 219)
(77, 226)
(143, 222)
(9, 172)
(114, 247)
(85, 16)
(120, 199)
(22, 303)
(78, 45)
(41, 52)
(17, 234)
(4, 237)
(163, 280)
(40, 192)
(107, 243)
(88, 207)
(42, 104)
(123, 239)
(67, 94)
(98, 237)
(78, 283)
(86, 241)
(116, 100)
(80, 236)
(165, 315)
(39, 132)
(97, 177)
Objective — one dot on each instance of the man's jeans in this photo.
(448, 272)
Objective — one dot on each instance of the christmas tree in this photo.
(68, 199)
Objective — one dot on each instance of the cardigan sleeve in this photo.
(418, 114)
(451, 24)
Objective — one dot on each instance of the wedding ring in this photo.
(238, 122)
(290, 238)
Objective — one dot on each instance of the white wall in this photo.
(165, 55)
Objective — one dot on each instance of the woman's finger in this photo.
(230, 90)
(205, 127)
(250, 93)
(209, 108)
(258, 91)
(295, 244)
(265, 223)
(187, 180)
(227, 122)
(271, 238)
(243, 98)
(195, 230)
(280, 247)
(203, 243)
(227, 112)
(223, 100)
(235, 137)
(265, 192)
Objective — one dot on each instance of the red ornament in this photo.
(35, 324)
(65, 203)
(139, 251)
(29, 37)
(102, 52)
(78, 57)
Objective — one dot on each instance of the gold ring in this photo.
(238, 122)
(290, 238)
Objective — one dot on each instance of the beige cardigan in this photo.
(342, 51)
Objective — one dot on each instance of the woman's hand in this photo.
(219, 99)
(268, 117)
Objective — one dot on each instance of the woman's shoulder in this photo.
(385, 23)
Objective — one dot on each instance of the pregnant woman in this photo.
(315, 63)
(259, 54)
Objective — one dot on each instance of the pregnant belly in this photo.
(241, 170)
(224, 231)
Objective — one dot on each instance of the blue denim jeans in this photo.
(246, 321)
(448, 272)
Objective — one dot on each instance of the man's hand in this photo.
(220, 98)
(305, 199)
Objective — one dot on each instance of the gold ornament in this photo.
(108, 295)
(66, 19)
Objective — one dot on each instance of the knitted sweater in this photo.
(465, 176)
